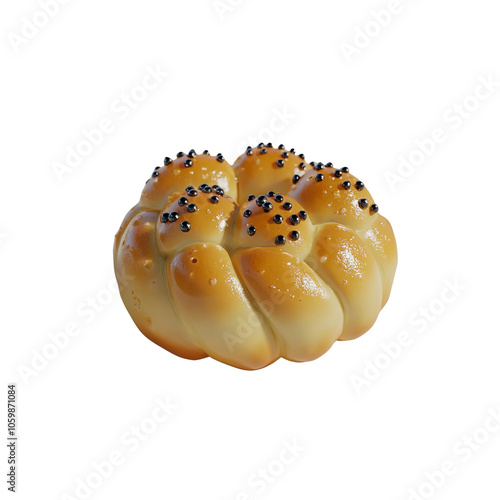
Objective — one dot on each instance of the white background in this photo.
(229, 74)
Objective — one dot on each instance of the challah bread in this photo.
(302, 259)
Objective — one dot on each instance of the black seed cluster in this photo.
(261, 200)
(205, 188)
(185, 226)
(169, 217)
(192, 154)
(267, 206)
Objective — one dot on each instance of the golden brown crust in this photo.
(137, 209)
(266, 168)
(176, 176)
(274, 221)
(144, 290)
(344, 261)
(212, 302)
(304, 312)
(330, 195)
(285, 275)
(379, 238)
(194, 216)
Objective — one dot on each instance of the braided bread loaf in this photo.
(208, 265)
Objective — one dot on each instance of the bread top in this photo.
(199, 214)
(274, 220)
(334, 195)
(187, 169)
(265, 168)
(281, 199)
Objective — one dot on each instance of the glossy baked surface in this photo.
(273, 258)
